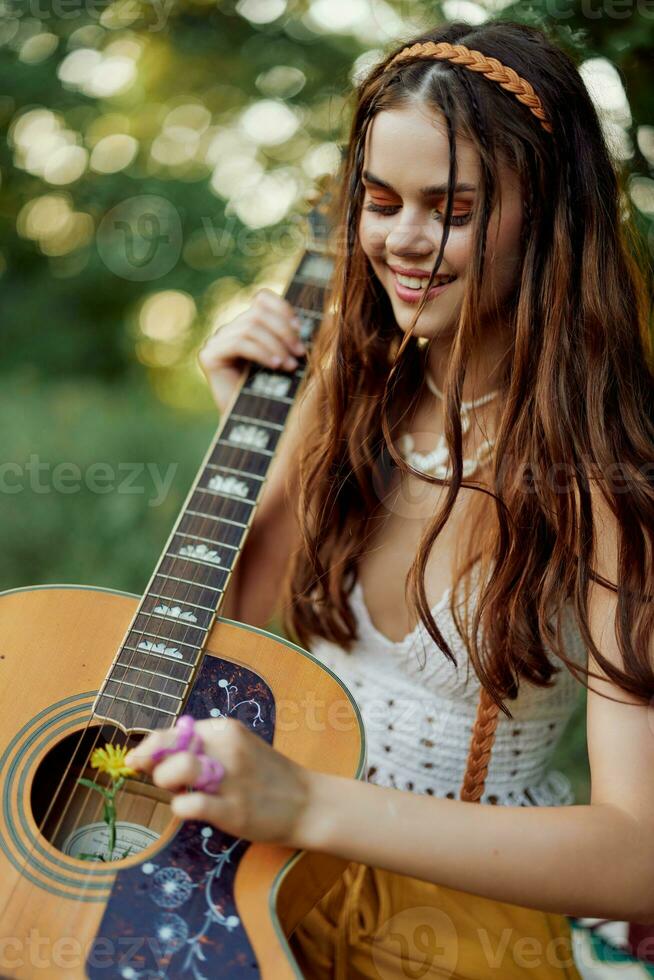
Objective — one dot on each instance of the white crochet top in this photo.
(418, 722)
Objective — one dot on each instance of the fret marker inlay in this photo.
(201, 552)
(229, 484)
(176, 612)
(161, 649)
(189, 581)
(271, 384)
(249, 435)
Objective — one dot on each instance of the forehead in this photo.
(410, 146)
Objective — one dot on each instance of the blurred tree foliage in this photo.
(154, 157)
(68, 311)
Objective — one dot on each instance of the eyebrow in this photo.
(426, 191)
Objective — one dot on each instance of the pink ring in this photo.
(187, 740)
(211, 774)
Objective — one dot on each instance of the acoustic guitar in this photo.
(81, 668)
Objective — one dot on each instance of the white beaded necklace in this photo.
(437, 462)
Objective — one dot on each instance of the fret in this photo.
(157, 650)
(278, 398)
(187, 602)
(270, 384)
(231, 510)
(223, 533)
(168, 639)
(181, 570)
(119, 672)
(175, 578)
(188, 581)
(242, 487)
(304, 294)
(317, 265)
(160, 648)
(170, 630)
(240, 495)
(307, 278)
(251, 464)
(133, 717)
(176, 590)
(149, 697)
(136, 704)
(261, 407)
(213, 517)
(250, 449)
(312, 314)
(175, 670)
(154, 615)
(150, 677)
(309, 323)
(208, 541)
(257, 421)
(251, 436)
(226, 496)
(228, 469)
(198, 561)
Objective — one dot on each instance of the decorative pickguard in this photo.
(174, 916)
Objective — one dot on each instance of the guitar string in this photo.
(237, 454)
(205, 528)
(205, 525)
(91, 720)
(294, 377)
(137, 634)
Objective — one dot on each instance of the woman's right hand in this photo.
(266, 333)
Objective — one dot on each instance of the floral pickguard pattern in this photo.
(174, 916)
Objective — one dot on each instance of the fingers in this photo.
(200, 806)
(267, 333)
(182, 769)
(140, 757)
(273, 312)
(217, 735)
(177, 771)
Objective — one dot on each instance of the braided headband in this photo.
(477, 61)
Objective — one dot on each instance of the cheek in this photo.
(503, 245)
(371, 236)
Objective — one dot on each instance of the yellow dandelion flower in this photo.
(111, 759)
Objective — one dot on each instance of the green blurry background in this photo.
(155, 157)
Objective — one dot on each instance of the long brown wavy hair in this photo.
(576, 394)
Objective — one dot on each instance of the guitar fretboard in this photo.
(149, 680)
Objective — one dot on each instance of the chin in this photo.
(427, 327)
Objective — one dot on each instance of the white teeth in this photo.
(410, 282)
(413, 282)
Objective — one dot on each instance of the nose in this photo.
(409, 235)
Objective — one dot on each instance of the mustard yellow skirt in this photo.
(386, 926)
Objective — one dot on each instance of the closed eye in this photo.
(389, 209)
(383, 208)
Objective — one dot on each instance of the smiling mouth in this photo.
(414, 286)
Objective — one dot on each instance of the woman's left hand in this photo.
(262, 796)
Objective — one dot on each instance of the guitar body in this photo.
(194, 902)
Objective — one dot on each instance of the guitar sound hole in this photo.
(72, 816)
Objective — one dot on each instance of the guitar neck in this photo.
(156, 663)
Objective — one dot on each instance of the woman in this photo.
(486, 300)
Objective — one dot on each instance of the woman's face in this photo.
(405, 178)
